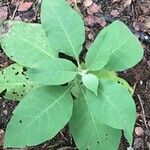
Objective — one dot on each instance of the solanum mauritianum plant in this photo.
(53, 91)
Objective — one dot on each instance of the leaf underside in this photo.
(15, 83)
(91, 82)
(39, 117)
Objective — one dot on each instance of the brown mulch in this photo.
(97, 14)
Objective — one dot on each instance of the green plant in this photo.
(97, 104)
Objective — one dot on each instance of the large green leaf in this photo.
(88, 132)
(53, 72)
(15, 83)
(126, 50)
(91, 82)
(39, 117)
(27, 44)
(99, 53)
(113, 106)
(64, 27)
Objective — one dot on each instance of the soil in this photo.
(134, 13)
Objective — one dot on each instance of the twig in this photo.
(141, 103)
(14, 13)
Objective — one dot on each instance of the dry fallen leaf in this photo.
(136, 25)
(127, 3)
(101, 21)
(25, 6)
(90, 20)
(145, 7)
(114, 13)
(147, 22)
(87, 3)
(3, 13)
(94, 8)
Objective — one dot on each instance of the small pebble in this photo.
(138, 143)
(5, 112)
(147, 132)
(139, 131)
(88, 3)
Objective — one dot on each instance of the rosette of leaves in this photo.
(53, 91)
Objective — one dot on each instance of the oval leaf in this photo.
(64, 27)
(53, 72)
(88, 132)
(27, 44)
(14, 82)
(99, 52)
(126, 50)
(39, 117)
(91, 82)
(113, 106)
(111, 75)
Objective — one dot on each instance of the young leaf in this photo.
(126, 50)
(15, 83)
(91, 82)
(111, 75)
(64, 27)
(53, 72)
(27, 44)
(113, 106)
(88, 132)
(76, 90)
(99, 53)
(39, 116)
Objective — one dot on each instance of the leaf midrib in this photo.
(120, 46)
(45, 111)
(112, 105)
(92, 119)
(59, 20)
(36, 47)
